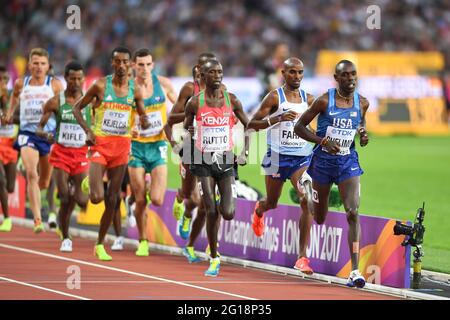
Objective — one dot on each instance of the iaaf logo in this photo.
(216, 121)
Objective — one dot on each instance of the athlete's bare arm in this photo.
(57, 86)
(95, 92)
(190, 112)
(51, 106)
(363, 136)
(318, 106)
(177, 113)
(313, 124)
(140, 107)
(240, 114)
(168, 88)
(268, 106)
(13, 100)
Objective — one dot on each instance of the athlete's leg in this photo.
(320, 194)
(45, 172)
(197, 225)
(227, 199)
(115, 176)
(158, 184)
(10, 170)
(30, 160)
(3, 190)
(96, 188)
(273, 189)
(137, 182)
(50, 197)
(79, 196)
(51, 194)
(207, 193)
(189, 193)
(62, 179)
(306, 217)
(117, 220)
(349, 190)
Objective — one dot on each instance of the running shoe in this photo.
(142, 250)
(257, 222)
(100, 252)
(118, 244)
(208, 250)
(59, 233)
(302, 264)
(178, 209)
(189, 253)
(214, 266)
(6, 226)
(356, 279)
(85, 185)
(66, 246)
(52, 223)
(184, 227)
(38, 226)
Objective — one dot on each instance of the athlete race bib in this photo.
(288, 138)
(215, 139)
(115, 122)
(71, 135)
(156, 124)
(32, 112)
(344, 137)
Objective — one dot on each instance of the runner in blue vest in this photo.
(341, 115)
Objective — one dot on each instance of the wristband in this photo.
(268, 121)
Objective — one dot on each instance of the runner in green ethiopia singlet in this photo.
(68, 132)
(112, 117)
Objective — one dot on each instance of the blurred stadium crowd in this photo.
(243, 33)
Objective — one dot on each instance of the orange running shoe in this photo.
(257, 222)
(302, 264)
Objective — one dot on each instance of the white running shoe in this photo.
(52, 223)
(356, 279)
(118, 244)
(66, 246)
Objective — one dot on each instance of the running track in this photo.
(32, 267)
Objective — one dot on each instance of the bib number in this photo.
(156, 124)
(115, 122)
(344, 137)
(71, 135)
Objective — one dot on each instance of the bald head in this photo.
(205, 56)
(292, 62)
(292, 72)
(343, 64)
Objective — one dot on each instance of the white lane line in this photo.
(123, 271)
(45, 289)
(160, 282)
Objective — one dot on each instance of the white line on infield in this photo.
(43, 288)
(122, 271)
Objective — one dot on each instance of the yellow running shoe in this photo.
(100, 252)
(142, 250)
(178, 209)
(214, 266)
(38, 226)
(6, 226)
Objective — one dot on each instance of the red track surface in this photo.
(159, 276)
